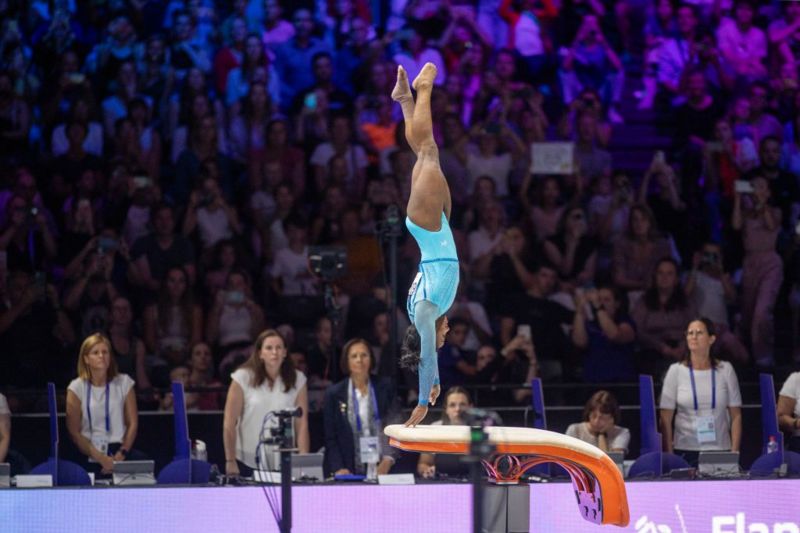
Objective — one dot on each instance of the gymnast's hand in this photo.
(435, 390)
(417, 415)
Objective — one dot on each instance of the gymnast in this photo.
(427, 218)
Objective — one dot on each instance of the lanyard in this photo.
(374, 407)
(89, 410)
(713, 387)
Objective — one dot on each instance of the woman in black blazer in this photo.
(355, 413)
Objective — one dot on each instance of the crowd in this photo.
(166, 169)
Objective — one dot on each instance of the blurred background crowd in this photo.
(165, 167)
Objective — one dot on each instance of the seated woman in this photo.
(788, 410)
(128, 348)
(102, 419)
(19, 465)
(661, 315)
(603, 328)
(456, 403)
(599, 427)
(355, 411)
(702, 395)
(266, 382)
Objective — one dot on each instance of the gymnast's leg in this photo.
(402, 95)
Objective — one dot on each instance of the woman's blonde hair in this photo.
(88, 344)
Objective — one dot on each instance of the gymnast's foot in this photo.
(425, 77)
(401, 92)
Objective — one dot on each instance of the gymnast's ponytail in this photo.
(410, 349)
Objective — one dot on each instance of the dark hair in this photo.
(768, 138)
(346, 348)
(619, 296)
(604, 402)
(410, 348)
(320, 55)
(712, 332)
(677, 300)
(453, 390)
(256, 365)
(644, 209)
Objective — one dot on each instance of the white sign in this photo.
(553, 158)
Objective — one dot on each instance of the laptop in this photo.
(132, 473)
(307, 467)
(5, 475)
(718, 464)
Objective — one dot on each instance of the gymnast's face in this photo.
(442, 327)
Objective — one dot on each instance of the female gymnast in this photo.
(428, 214)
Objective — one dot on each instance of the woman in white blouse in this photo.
(266, 382)
(102, 419)
(789, 410)
(702, 395)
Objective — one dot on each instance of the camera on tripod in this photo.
(328, 263)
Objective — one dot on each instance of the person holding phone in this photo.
(428, 219)
(762, 268)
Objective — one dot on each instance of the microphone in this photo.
(297, 412)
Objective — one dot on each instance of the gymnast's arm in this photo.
(425, 315)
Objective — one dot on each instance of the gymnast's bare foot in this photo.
(401, 91)
(425, 77)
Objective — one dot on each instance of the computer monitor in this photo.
(134, 473)
(307, 466)
(619, 460)
(718, 464)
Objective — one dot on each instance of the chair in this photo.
(652, 462)
(768, 463)
(183, 469)
(656, 464)
(64, 473)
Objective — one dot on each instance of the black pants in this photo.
(113, 447)
(690, 456)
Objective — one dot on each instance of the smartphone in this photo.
(524, 330)
(310, 101)
(743, 187)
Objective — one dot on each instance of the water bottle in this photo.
(372, 471)
(772, 445)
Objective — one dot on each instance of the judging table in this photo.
(720, 506)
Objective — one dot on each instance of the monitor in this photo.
(134, 473)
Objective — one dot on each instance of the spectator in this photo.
(488, 161)
(128, 347)
(591, 160)
(107, 433)
(15, 120)
(201, 375)
(487, 241)
(161, 250)
(231, 55)
(189, 113)
(202, 151)
(788, 410)
(782, 34)
(234, 319)
(31, 351)
(356, 410)
(213, 218)
(173, 323)
(661, 315)
(188, 48)
(276, 30)
(571, 250)
(291, 160)
(604, 330)
(510, 269)
(591, 62)
(660, 27)
(762, 120)
(742, 43)
(322, 355)
(456, 404)
(702, 395)
(324, 81)
(762, 269)
(543, 316)
(17, 462)
(90, 296)
(26, 238)
(414, 53)
(354, 156)
(293, 58)
(727, 159)
(599, 427)
(525, 32)
(147, 138)
(636, 254)
(546, 210)
(266, 382)
(695, 119)
(255, 68)
(784, 185)
(93, 141)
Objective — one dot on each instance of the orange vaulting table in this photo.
(598, 483)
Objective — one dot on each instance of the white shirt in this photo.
(480, 242)
(618, 437)
(118, 390)
(213, 226)
(790, 389)
(355, 157)
(292, 269)
(676, 394)
(709, 296)
(4, 410)
(258, 401)
(738, 46)
(93, 143)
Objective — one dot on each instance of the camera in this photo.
(328, 262)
